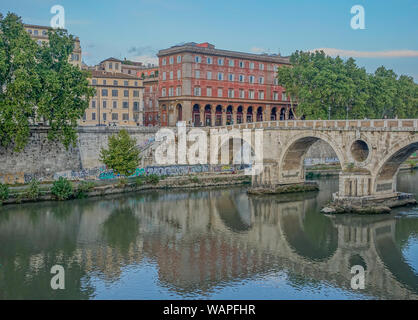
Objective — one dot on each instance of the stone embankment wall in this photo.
(42, 159)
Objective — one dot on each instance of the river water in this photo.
(208, 244)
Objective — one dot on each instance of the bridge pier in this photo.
(356, 194)
(271, 181)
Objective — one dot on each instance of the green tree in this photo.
(38, 84)
(122, 155)
(331, 87)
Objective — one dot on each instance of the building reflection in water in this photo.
(200, 241)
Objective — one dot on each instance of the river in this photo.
(208, 244)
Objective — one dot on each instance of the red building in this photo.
(151, 116)
(205, 86)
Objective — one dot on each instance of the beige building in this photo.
(119, 97)
(40, 35)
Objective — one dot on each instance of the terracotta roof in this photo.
(111, 59)
(210, 50)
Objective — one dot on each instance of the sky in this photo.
(137, 29)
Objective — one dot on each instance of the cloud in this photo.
(369, 54)
(145, 59)
(142, 50)
(258, 50)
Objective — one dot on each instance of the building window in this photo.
(276, 82)
(104, 81)
(197, 74)
(114, 93)
(197, 59)
(171, 92)
(116, 66)
(164, 62)
(261, 95)
(220, 61)
(178, 59)
(93, 104)
(94, 81)
(241, 64)
(84, 116)
(209, 91)
(136, 106)
(284, 96)
(251, 79)
(93, 116)
(209, 75)
(275, 96)
(261, 65)
(241, 93)
(136, 93)
(164, 75)
(231, 77)
(178, 76)
(209, 60)
(231, 63)
(241, 78)
(261, 80)
(115, 82)
(230, 93)
(251, 65)
(110, 65)
(125, 104)
(251, 94)
(220, 92)
(115, 104)
(114, 116)
(136, 83)
(171, 75)
(163, 92)
(125, 116)
(197, 91)
(178, 92)
(126, 93)
(104, 92)
(104, 116)
(104, 104)
(171, 60)
(125, 83)
(220, 76)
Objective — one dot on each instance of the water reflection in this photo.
(199, 244)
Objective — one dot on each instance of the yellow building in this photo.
(40, 35)
(119, 97)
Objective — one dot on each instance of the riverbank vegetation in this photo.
(121, 155)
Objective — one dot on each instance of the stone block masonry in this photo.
(41, 158)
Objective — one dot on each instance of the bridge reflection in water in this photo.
(200, 241)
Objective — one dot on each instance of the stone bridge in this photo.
(370, 153)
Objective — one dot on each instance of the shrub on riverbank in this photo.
(83, 188)
(4, 192)
(62, 189)
(149, 179)
(33, 191)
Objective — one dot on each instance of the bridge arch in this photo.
(387, 170)
(294, 151)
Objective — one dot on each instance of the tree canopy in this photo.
(38, 84)
(122, 155)
(326, 87)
